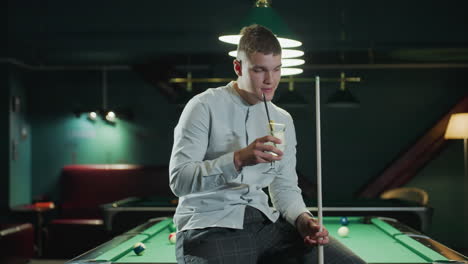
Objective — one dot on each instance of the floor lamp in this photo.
(457, 128)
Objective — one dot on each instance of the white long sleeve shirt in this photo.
(212, 193)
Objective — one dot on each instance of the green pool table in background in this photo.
(376, 240)
(120, 216)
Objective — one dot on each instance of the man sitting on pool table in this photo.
(217, 169)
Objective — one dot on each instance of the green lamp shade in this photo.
(268, 17)
(291, 99)
(342, 98)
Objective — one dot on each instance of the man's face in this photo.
(260, 75)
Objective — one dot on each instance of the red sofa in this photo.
(85, 187)
(16, 243)
(79, 226)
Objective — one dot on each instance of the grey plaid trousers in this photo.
(261, 241)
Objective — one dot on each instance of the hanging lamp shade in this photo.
(342, 98)
(291, 99)
(263, 14)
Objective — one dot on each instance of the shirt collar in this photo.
(237, 98)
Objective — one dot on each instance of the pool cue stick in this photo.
(319, 164)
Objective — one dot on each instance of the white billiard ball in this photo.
(343, 231)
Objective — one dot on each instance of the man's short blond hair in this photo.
(257, 38)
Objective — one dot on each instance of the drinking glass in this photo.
(277, 130)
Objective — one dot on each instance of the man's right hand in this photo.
(257, 152)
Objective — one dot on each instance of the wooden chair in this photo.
(411, 194)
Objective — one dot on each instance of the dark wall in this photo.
(4, 137)
(16, 144)
(4, 29)
(62, 138)
(445, 181)
(20, 139)
(4, 111)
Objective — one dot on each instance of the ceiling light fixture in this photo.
(263, 14)
(457, 128)
(92, 116)
(343, 97)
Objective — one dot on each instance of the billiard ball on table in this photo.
(343, 231)
(139, 248)
(172, 238)
(344, 221)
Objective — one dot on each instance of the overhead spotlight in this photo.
(262, 13)
(110, 116)
(92, 116)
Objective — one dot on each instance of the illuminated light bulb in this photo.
(110, 116)
(92, 116)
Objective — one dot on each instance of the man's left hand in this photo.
(309, 229)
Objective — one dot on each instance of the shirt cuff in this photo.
(294, 213)
(227, 166)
